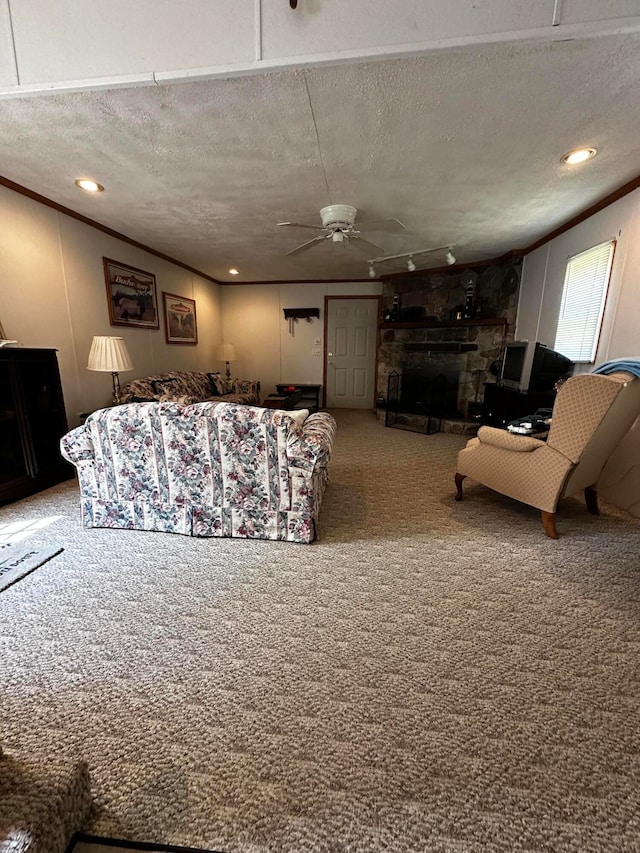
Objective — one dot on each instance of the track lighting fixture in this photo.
(411, 266)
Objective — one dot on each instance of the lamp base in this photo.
(228, 366)
(116, 388)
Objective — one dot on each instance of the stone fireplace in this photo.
(443, 362)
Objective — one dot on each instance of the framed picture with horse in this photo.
(179, 319)
(131, 295)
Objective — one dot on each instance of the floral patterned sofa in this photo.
(191, 387)
(207, 469)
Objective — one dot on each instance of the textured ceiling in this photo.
(462, 145)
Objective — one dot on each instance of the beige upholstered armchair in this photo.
(591, 415)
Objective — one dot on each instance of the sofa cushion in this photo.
(298, 416)
(219, 384)
(165, 385)
(213, 383)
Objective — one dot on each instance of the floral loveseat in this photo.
(208, 469)
(191, 387)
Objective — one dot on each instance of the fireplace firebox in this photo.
(431, 391)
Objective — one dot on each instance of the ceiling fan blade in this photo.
(304, 246)
(361, 243)
(387, 224)
(302, 225)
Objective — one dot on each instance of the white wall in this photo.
(253, 321)
(539, 306)
(53, 294)
(543, 279)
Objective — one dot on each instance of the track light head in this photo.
(372, 272)
(410, 264)
(449, 258)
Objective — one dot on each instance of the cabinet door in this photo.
(13, 460)
(44, 415)
(32, 421)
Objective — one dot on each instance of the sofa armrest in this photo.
(311, 446)
(247, 386)
(509, 441)
(77, 446)
(181, 399)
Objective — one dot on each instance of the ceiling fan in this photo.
(338, 225)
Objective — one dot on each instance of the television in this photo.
(532, 366)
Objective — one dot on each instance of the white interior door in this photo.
(351, 352)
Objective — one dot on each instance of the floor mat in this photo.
(83, 843)
(16, 562)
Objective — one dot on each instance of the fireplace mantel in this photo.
(452, 324)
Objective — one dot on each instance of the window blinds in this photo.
(585, 289)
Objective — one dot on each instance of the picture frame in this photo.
(131, 296)
(180, 323)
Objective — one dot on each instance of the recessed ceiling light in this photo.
(89, 186)
(579, 155)
(234, 271)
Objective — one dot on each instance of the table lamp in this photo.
(227, 353)
(110, 355)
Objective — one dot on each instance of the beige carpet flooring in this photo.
(429, 676)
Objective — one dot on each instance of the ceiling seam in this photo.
(315, 126)
(13, 42)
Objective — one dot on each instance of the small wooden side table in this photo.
(282, 401)
(309, 394)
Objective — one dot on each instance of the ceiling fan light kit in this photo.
(338, 226)
(338, 215)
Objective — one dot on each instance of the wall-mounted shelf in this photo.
(450, 324)
(300, 313)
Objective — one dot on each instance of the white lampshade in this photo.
(109, 355)
(226, 352)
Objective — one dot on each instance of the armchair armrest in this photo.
(311, 446)
(509, 441)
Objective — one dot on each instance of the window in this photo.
(585, 290)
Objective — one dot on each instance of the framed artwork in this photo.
(179, 319)
(131, 294)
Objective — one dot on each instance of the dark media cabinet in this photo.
(502, 405)
(32, 422)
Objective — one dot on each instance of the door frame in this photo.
(378, 298)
